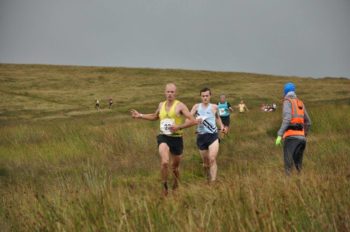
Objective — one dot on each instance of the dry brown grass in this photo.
(66, 167)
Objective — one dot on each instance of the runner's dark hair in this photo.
(205, 89)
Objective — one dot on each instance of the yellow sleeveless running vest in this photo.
(165, 118)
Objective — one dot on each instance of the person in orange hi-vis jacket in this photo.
(294, 129)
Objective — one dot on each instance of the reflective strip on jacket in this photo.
(297, 118)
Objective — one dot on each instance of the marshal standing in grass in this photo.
(294, 128)
(207, 133)
(172, 114)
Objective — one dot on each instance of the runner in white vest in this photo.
(207, 133)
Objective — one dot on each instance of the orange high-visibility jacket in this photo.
(297, 118)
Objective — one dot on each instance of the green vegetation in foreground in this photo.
(66, 167)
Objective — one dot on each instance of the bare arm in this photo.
(190, 121)
(194, 109)
(219, 122)
(218, 119)
(230, 107)
(151, 117)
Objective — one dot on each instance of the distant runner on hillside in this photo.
(172, 114)
(242, 107)
(295, 126)
(97, 104)
(225, 110)
(110, 103)
(207, 133)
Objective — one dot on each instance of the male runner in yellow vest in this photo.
(172, 114)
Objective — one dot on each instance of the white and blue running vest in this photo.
(208, 125)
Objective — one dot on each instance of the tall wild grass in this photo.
(82, 170)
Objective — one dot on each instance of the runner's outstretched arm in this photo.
(150, 117)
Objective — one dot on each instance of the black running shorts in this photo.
(225, 120)
(205, 140)
(175, 144)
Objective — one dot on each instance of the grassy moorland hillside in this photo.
(66, 167)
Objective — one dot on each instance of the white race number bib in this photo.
(165, 126)
(221, 111)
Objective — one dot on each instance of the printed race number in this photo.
(221, 112)
(165, 126)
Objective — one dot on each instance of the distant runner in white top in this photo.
(97, 104)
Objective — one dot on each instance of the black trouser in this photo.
(293, 153)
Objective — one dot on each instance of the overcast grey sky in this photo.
(288, 37)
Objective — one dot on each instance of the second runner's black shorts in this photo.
(175, 144)
(225, 120)
(205, 140)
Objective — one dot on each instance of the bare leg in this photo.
(205, 158)
(164, 162)
(175, 167)
(212, 154)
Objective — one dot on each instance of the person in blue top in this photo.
(224, 111)
(207, 117)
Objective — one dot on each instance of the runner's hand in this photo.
(224, 130)
(199, 120)
(174, 128)
(135, 114)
